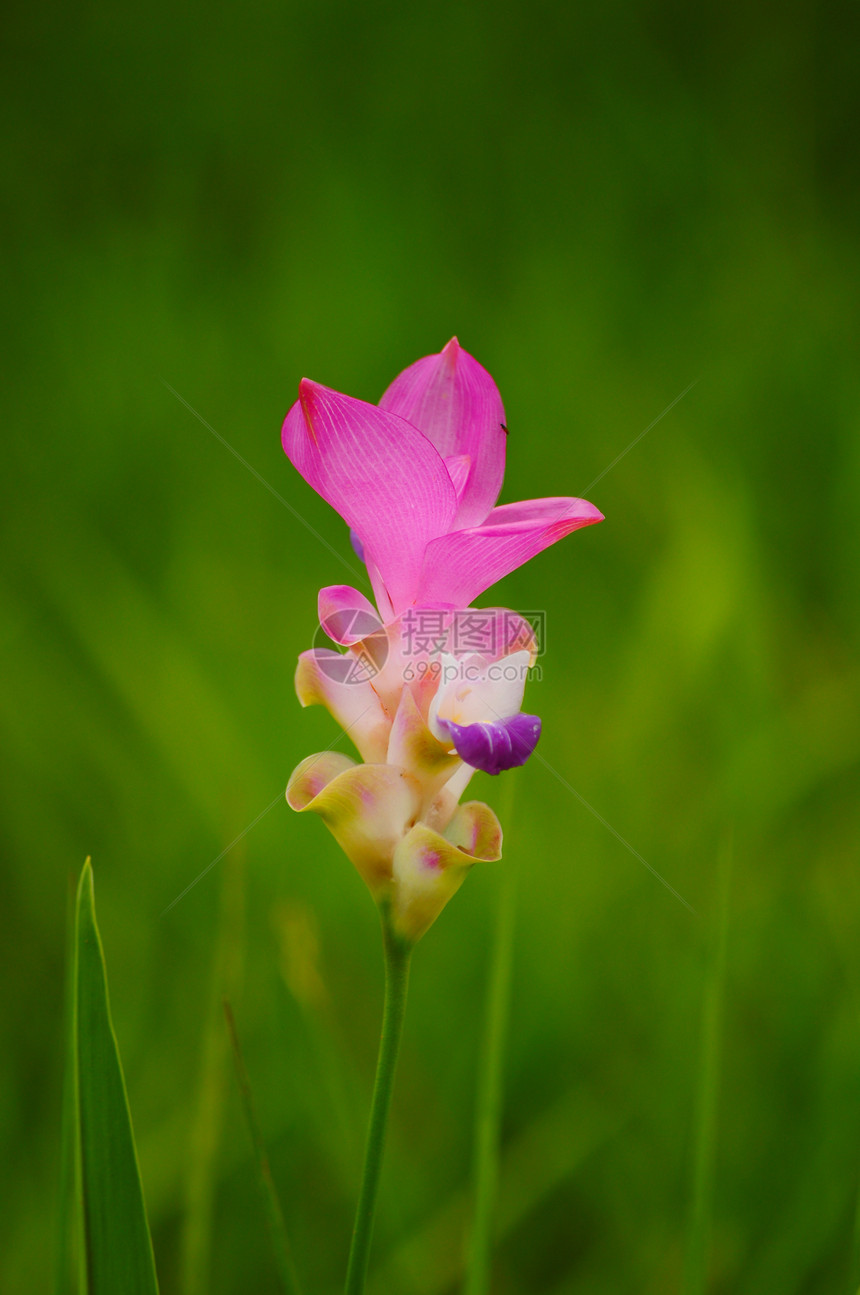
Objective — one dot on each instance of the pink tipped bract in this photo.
(417, 478)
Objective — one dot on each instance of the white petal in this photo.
(475, 692)
(321, 680)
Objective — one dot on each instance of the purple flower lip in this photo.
(498, 745)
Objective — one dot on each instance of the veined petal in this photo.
(429, 867)
(454, 401)
(459, 466)
(366, 807)
(491, 633)
(341, 683)
(383, 476)
(460, 566)
(380, 591)
(546, 511)
(496, 745)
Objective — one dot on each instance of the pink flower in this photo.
(422, 718)
(433, 690)
(417, 478)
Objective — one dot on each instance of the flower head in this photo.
(416, 478)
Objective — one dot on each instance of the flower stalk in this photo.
(428, 687)
(397, 958)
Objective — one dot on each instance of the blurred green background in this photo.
(604, 204)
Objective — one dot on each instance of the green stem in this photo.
(397, 955)
(490, 1078)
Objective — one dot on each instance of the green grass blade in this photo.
(64, 1282)
(277, 1227)
(117, 1250)
(548, 1152)
(206, 1125)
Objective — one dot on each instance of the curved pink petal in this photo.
(382, 475)
(460, 566)
(346, 616)
(551, 508)
(380, 591)
(453, 400)
(498, 632)
(459, 466)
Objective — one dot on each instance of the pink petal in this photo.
(496, 633)
(381, 474)
(460, 566)
(459, 466)
(345, 615)
(552, 508)
(412, 649)
(453, 400)
(380, 592)
(488, 632)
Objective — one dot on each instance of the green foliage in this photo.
(115, 1247)
(274, 1214)
(604, 203)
